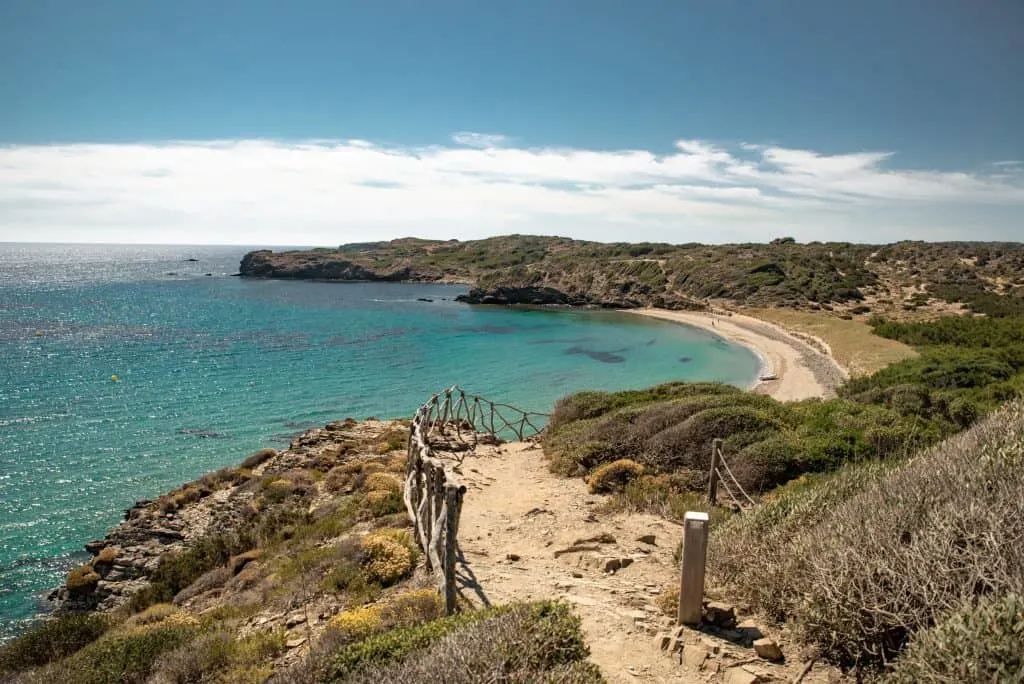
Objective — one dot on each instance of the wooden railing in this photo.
(444, 429)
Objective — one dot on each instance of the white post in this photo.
(694, 557)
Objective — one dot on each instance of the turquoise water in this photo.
(211, 368)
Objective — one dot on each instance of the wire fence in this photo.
(722, 475)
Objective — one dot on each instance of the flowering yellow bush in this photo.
(389, 559)
(358, 623)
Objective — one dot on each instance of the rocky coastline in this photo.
(219, 503)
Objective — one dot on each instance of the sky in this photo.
(324, 122)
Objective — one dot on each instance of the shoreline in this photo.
(790, 369)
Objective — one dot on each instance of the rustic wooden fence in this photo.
(444, 429)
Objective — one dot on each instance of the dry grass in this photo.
(865, 560)
(854, 346)
(614, 476)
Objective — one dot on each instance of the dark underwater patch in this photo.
(203, 433)
(597, 355)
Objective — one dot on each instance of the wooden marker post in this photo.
(691, 581)
(716, 449)
(453, 503)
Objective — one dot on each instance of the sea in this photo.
(128, 370)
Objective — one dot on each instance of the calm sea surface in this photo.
(210, 368)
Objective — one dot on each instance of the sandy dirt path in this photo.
(517, 515)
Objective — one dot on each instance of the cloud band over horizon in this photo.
(326, 192)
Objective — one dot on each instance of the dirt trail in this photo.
(517, 515)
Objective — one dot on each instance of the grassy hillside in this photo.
(907, 278)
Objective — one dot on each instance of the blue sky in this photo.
(262, 121)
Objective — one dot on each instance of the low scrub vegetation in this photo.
(983, 642)
(864, 562)
(540, 642)
(52, 639)
(966, 368)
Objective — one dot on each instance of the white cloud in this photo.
(332, 191)
(481, 140)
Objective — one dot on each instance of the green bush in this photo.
(118, 658)
(538, 642)
(979, 644)
(52, 639)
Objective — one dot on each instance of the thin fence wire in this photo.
(735, 482)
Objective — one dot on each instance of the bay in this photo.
(127, 370)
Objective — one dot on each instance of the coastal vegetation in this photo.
(885, 535)
(905, 279)
(307, 572)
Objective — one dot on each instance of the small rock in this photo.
(295, 619)
(611, 564)
(720, 614)
(295, 643)
(768, 649)
(662, 640)
(512, 557)
(647, 539)
(739, 675)
(625, 562)
(577, 574)
(694, 656)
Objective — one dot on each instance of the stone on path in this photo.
(768, 649)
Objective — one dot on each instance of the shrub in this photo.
(525, 642)
(278, 490)
(382, 482)
(978, 644)
(389, 560)
(82, 580)
(357, 624)
(52, 639)
(383, 502)
(218, 653)
(152, 615)
(177, 571)
(614, 476)
(393, 440)
(342, 478)
(212, 579)
(259, 458)
(106, 556)
(118, 658)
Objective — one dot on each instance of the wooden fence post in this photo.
(451, 525)
(691, 578)
(716, 449)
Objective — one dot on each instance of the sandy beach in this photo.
(791, 369)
